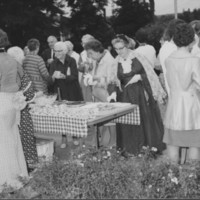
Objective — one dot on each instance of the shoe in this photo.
(124, 154)
(62, 146)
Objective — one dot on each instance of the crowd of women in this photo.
(98, 75)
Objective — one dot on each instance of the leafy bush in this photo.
(105, 174)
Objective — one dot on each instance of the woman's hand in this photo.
(88, 80)
(19, 100)
(58, 75)
(134, 79)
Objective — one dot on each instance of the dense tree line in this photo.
(23, 19)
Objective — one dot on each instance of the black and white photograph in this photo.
(99, 99)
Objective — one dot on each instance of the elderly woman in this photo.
(26, 125)
(12, 158)
(64, 73)
(140, 86)
(103, 74)
(182, 120)
(65, 77)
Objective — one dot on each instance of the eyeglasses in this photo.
(58, 51)
(123, 37)
(119, 49)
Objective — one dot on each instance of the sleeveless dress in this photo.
(12, 161)
(12, 158)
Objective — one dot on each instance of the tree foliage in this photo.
(131, 15)
(88, 17)
(24, 19)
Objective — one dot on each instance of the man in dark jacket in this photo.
(48, 54)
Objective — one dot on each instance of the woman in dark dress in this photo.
(26, 125)
(64, 73)
(136, 88)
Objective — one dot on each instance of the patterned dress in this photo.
(26, 125)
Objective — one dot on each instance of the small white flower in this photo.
(174, 180)
(154, 149)
(80, 155)
(150, 186)
(191, 175)
(158, 189)
(83, 146)
(140, 155)
(94, 158)
(108, 153)
(170, 170)
(144, 147)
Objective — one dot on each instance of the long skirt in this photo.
(12, 157)
(150, 132)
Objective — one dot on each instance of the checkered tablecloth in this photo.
(75, 126)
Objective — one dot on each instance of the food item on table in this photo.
(43, 100)
(105, 106)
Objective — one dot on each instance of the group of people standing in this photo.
(95, 75)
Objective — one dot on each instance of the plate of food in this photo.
(71, 103)
(74, 102)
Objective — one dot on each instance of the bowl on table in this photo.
(45, 100)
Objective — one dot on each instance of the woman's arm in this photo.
(30, 92)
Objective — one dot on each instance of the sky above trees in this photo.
(167, 6)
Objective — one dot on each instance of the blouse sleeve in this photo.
(43, 70)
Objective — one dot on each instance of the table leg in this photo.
(97, 136)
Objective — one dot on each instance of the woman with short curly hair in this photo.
(182, 120)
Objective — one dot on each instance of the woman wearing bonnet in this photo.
(12, 158)
(139, 85)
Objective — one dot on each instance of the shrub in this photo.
(105, 174)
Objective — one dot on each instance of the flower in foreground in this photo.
(154, 149)
(174, 180)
